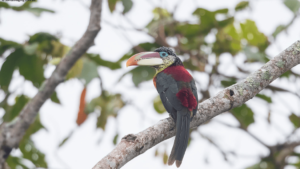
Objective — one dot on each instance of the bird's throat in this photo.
(160, 68)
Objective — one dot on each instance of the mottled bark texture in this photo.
(11, 133)
(233, 96)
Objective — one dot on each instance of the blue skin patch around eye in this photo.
(163, 54)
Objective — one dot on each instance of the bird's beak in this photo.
(145, 59)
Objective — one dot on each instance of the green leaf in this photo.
(208, 19)
(115, 139)
(8, 68)
(241, 5)
(194, 64)
(112, 5)
(31, 67)
(108, 104)
(127, 5)
(162, 18)
(278, 30)
(27, 7)
(59, 50)
(37, 11)
(14, 162)
(160, 13)
(149, 46)
(297, 165)
(31, 153)
(41, 37)
(244, 115)
(89, 71)
(188, 30)
(34, 127)
(165, 157)
(229, 82)
(225, 22)
(47, 43)
(293, 5)
(54, 98)
(14, 111)
(101, 62)
(55, 61)
(4, 5)
(254, 55)
(295, 120)
(254, 37)
(5, 45)
(228, 40)
(286, 74)
(141, 74)
(31, 49)
(28, 148)
(264, 97)
(158, 105)
(75, 71)
(101, 120)
(65, 139)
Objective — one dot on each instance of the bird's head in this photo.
(160, 59)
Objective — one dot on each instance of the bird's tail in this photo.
(181, 139)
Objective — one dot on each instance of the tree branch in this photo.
(133, 145)
(11, 133)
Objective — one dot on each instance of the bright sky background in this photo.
(88, 145)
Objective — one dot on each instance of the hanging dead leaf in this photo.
(81, 117)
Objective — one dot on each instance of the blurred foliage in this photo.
(244, 115)
(264, 97)
(158, 105)
(230, 36)
(293, 5)
(108, 105)
(127, 5)
(295, 120)
(31, 59)
(26, 7)
(241, 5)
(65, 139)
(163, 154)
(54, 98)
(29, 150)
(14, 110)
(115, 139)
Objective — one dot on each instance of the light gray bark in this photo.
(12, 133)
(133, 145)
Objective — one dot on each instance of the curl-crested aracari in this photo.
(177, 91)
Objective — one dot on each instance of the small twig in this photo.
(215, 144)
(241, 128)
(176, 7)
(123, 28)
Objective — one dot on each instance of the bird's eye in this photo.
(163, 54)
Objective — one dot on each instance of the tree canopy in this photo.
(214, 45)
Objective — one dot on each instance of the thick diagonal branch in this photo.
(233, 96)
(11, 133)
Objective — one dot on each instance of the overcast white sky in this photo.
(82, 150)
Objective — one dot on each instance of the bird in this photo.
(177, 91)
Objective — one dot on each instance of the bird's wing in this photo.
(167, 88)
(194, 90)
